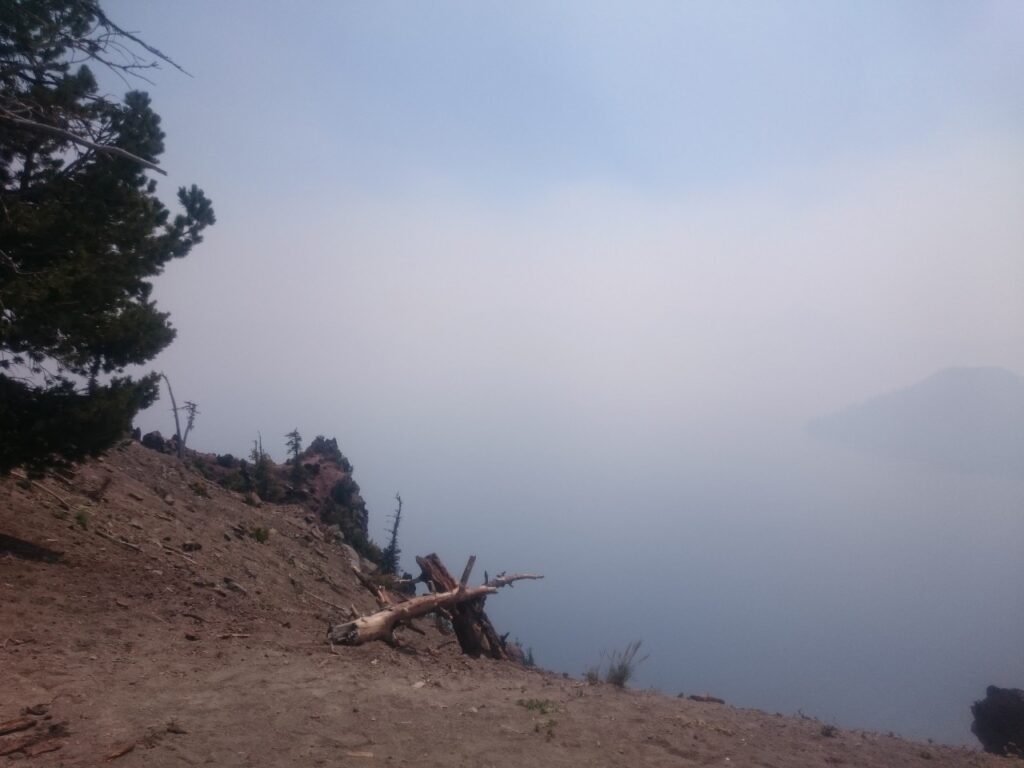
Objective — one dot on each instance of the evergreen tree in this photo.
(81, 233)
(260, 468)
(389, 557)
(295, 448)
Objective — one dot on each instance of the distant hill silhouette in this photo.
(963, 419)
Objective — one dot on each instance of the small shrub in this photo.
(226, 460)
(622, 664)
(199, 489)
(548, 729)
(82, 519)
(592, 675)
(541, 706)
(829, 731)
(261, 534)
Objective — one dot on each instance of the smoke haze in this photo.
(575, 279)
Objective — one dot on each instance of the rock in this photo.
(999, 721)
(155, 442)
(706, 698)
(191, 546)
(169, 500)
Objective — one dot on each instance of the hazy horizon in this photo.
(574, 278)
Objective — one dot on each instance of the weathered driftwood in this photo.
(464, 605)
(381, 625)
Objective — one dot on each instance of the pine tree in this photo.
(295, 449)
(389, 557)
(260, 468)
(82, 231)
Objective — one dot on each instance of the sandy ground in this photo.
(165, 634)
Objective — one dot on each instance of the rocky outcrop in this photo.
(155, 442)
(999, 721)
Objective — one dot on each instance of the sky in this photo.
(573, 278)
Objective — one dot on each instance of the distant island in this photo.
(959, 419)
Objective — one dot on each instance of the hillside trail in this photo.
(148, 626)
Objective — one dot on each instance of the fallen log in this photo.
(381, 625)
(465, 604)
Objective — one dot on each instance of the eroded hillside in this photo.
(151, 618)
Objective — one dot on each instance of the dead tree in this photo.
(190, 408)
(464, 604)
(177, 422)
(476, 635)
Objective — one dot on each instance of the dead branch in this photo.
(179, 553)
(116, 540)
(505, 579)
(468, 570)
(120, 751)
(18, 745)
(335, 606)
(63, 502)
(18, 724)
(380, 594)
(53, 130)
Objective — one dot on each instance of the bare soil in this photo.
(143, 624)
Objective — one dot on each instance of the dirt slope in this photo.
(165, 634)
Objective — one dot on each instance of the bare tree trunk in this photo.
(464, 618)
(381, 625)
(476, 635)
(177, 421)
